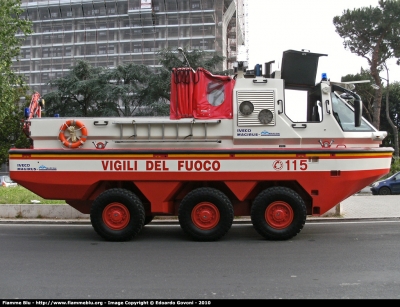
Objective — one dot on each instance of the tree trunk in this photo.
(395, 131)
(377, 104)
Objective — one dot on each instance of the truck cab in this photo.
(287, 108)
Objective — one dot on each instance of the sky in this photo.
(279, 25)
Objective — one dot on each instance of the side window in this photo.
(302, 106)
(215, 93)
(296, 105)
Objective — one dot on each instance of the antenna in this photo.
(183, 53)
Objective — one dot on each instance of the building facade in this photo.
(109, 33)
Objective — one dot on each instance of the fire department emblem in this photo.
(100, 145)
(326, 144)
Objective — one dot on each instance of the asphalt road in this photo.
(327, 260)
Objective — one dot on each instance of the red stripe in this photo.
(204, 157)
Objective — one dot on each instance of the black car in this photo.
(390, 185)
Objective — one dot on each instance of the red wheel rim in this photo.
(116, 216)
(279, 215)
(205, 215)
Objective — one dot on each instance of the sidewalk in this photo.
(358, 206)
(367, 206)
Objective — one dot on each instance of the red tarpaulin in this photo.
(200, 94)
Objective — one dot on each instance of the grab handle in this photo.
(96, 123)
(327, 104)
(280, 102)
(302, 126)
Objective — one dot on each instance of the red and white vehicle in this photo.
(231, 147)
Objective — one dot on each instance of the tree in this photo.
(135, 89)
(12, 33)
(374, 34)
(391, 124)
(393, 109)
(11, 133)
(126, 90)
(81, 92)
(394, 103)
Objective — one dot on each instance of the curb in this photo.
(41, 212)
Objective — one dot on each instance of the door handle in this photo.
(302, 126)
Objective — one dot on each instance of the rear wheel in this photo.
(205, 214)
(278, 213)
(384, 191)
(117, 215)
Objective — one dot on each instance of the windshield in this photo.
(344, 115)
(395, 176)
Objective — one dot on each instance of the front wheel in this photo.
(205, 214)
(117, 215)
(384, 191)
(278, 213)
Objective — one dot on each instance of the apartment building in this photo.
(109, 33)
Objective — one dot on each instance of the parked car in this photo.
(7, 182)
(388, 186)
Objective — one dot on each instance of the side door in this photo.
(395, 184)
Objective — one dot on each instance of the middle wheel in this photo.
(205, 214)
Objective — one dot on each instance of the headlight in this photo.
(375, 184)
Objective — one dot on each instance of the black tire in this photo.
(117, 215)
(384, 191)
(205, 214)
(278, 213)
(148, 219)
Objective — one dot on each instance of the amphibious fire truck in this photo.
(232, 146)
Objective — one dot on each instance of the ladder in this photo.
(178, 125)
